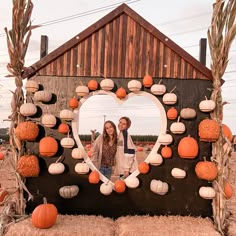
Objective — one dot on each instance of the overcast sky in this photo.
(184, 21)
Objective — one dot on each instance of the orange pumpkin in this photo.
(228, 190)
(1, 155)
(227, 132)
(48, 146)
(121, 93)
(73, 103)
(172, 113)
(92, 84)
(166, 152)
(188, 148)
(206, 170)
(143, 167)
(3, 195)
(208, 130)
(94, 177)
(147, 81)
(28, 166)
(44, 216)
(27, 131)
(63, 128)
(119, 186)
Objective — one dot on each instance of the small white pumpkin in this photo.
(132, 182)
(155, 159)
(134, 85)
(188, 113)
(48, 120)
(78, 153)
(207, 192)
(106, 188)
(207, 105)
(159, 187)
(107, 84)
(67, 115)
(28, 109)
(170, 98)
(177, 127)
(56, 168)
(165, 139)
(81, 168)
(43, 96)
(31, 86)
(67, 142)
(158, 89)
(69, 191)
(82, 90)
(178, 173)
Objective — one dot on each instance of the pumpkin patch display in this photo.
(28, 166)
(143, 167)
(69, 191)
(121, 93)
(188, 148)
(119, 186)
(48, 146)
(208, 130)
(27, 131)
(44, 216)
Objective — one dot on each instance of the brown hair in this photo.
(128, 121)
(106, 136)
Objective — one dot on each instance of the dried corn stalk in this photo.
(220, 37)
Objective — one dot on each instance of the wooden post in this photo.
(202, 53)
(43, 46)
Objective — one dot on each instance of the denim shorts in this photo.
(107, 171)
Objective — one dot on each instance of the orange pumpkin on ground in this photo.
(208, 130)
(206, 170)
(63, 128)
(94, 177)
(119, 186)
(166, 152)
(188, 148)
(143, 167)
(44, 216)
(28, 166)
(73, 103)
(228, 190)
(27, 131)
(48, 146)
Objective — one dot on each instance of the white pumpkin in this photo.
(69, 191)
(48, 120)
(81, 168)
(78, 153)
(57, 167)
(106, 188)
(165, 139)
(178, 173)
(155, 159)
(132, 182)
(43, 96)
(134, 85)
(169, 98)
(107, 84)
(159, 187)
(158, 89)
(67, 142)
(82, 90)
(207, 105)
(28, 109)
(31, 86)
(207, 192)
(188, 113)
(177, 127)
(67, 115)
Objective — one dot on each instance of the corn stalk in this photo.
(221, 34)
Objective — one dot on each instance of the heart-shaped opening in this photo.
(144, 110)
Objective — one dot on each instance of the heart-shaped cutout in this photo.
(144, 109)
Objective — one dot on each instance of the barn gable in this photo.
(120, 45)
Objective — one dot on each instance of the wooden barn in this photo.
(121, 48)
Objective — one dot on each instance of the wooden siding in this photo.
(121, 49)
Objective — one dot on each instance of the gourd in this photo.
(166, 152)
(78, 153)
(159, 187)
(207, 192)
(31, 86)
(188, 148)
(165, 139)
(207, 105)
(67, 115)
(178, 173)
(188, 113)
(57, 167)
(67, 142)
(44, 215)
(82, 90)
(48, 120)
(143, 167)
(43, 96)
(28, 166)
(106, 188)
(132, 182)
(119, 186)
(147, 81)
(155, 159)
(158, 89)
(81, 168)
(107, 84)
(206, 170)
(121, 93)
(94, 177)
(63, 128)
(73, 103)
(48, 146)
(69, 191)
(172, 113)
(177, 127)
(134, 86)
(28, 109)
(92, 84)
(27, 131)
(208, 130)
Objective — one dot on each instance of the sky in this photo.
(184, 21)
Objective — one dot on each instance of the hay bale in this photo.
(66, 225)
(165, 226)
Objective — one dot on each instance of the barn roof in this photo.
(122, 44)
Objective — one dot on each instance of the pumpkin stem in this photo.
(45, 200)
(178, 119)
(173, 89)
(160, 81)
(204, 158)
(206, 97)
(104, 77)
(58, 159)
